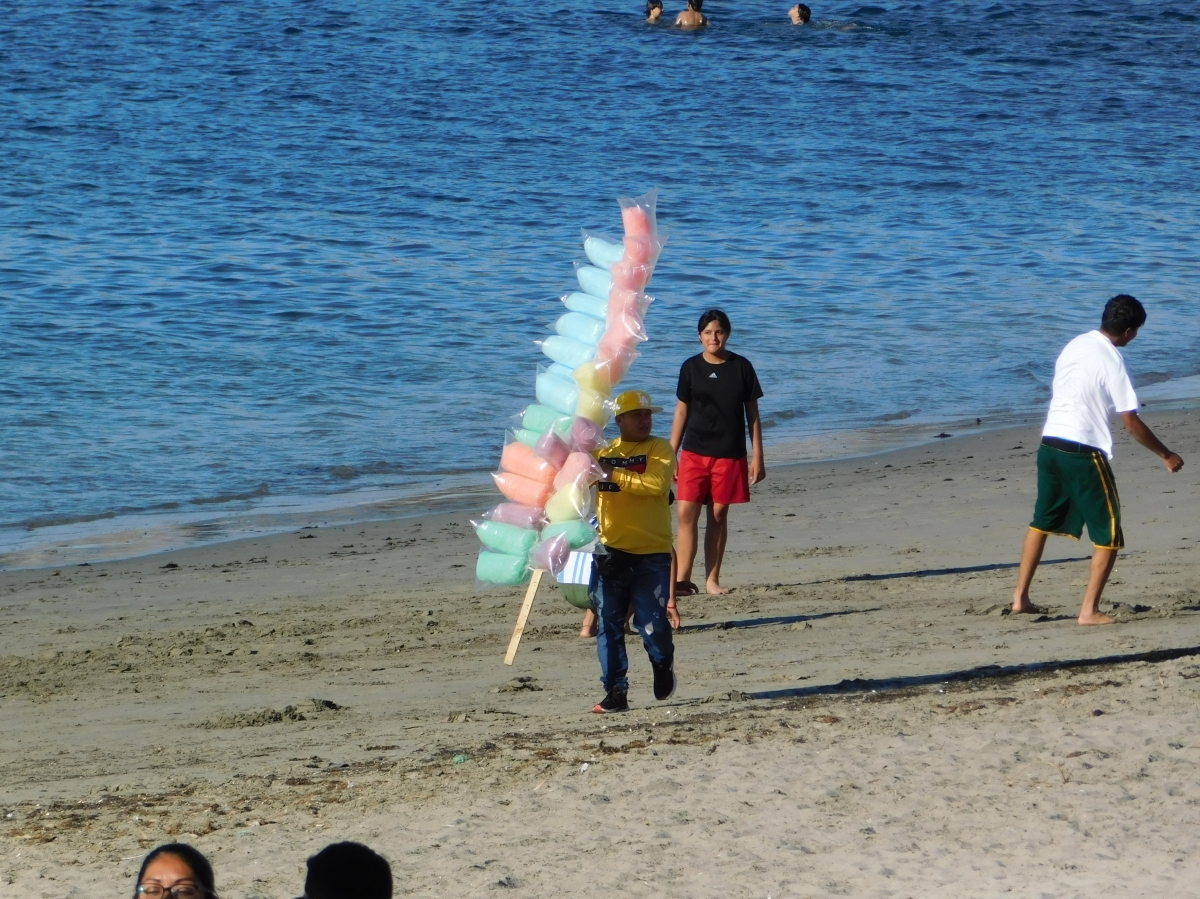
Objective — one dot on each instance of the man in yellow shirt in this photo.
(635, 569)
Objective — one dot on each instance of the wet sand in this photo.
(857, 718)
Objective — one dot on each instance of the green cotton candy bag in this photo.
(506, 538)
(538, 419)
(501, 568)
(578, 533)
(527, 437)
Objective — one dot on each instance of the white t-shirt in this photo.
(1090, 386)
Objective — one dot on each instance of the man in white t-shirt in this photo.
(1075, 480)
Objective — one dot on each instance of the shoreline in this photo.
(263, 698)
(120, 537)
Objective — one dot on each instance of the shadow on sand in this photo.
(973, 569)
(983, 672)
(766, 622)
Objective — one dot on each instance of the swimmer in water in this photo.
(799, 14)
(692, 17)
(654, 11)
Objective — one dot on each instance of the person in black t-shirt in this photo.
(718, 397)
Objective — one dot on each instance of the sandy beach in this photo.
(858, 718)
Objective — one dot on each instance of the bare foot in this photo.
(686, 588)
(1096, 618)
(1025, 608)
(591, 625)
(712, 588)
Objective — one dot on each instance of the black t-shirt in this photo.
(716, 396)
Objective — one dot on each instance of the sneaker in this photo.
(614, 701)
(664, 680)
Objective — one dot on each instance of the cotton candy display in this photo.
(551, 554)
(596, 281)
(522, 490)
(502, 568)
(524, 460)
(547, 472)
(584, 328)
(578, 534)
(531, 517)
(557, 393)
(597, 307)
(505, 538)
(572, 503)
(601, 251)
(579, 468)
(568, 352)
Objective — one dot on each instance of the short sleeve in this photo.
(751, 389)
(683, 391)
(1121, 392)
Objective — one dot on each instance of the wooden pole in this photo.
(523, 616)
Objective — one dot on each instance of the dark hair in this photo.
(191, 857)
(805, 13)
(348, 871)
(1121, 313)
(714, 315)
(695, 4)
(653, 4)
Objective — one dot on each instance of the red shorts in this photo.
(704, 478)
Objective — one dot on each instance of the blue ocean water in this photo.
(302, 249)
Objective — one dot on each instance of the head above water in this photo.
(654, 9)
(800, 14)
(348, 871)
(1121, 314)
(201, 872)
(696, 4)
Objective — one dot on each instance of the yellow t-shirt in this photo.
(632, 503)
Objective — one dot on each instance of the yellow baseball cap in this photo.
(632, 401)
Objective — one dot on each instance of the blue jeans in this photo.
(621, 580)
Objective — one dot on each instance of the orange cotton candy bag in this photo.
(524, 460)
(522, 490)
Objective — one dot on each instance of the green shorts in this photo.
(1074, 489)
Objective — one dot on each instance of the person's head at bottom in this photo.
(348, 871)
(175, 871)
(635, 415)
(654, 10)
(799, 14)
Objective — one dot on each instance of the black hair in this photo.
(653, 4)
(714, 315)
(348, 871)
(190, 856)
(805, 13)
(1121, 313)
(695, 4)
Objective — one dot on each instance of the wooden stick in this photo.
(523, 617)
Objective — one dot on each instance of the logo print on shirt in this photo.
(713, 375)
(636, 464)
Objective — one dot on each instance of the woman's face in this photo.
(713, 338)
(655, 14)
(169, 872)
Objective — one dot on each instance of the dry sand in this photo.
(857, 718)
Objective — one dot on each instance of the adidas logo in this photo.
(713, 375)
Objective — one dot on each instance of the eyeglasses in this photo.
(179, 891)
